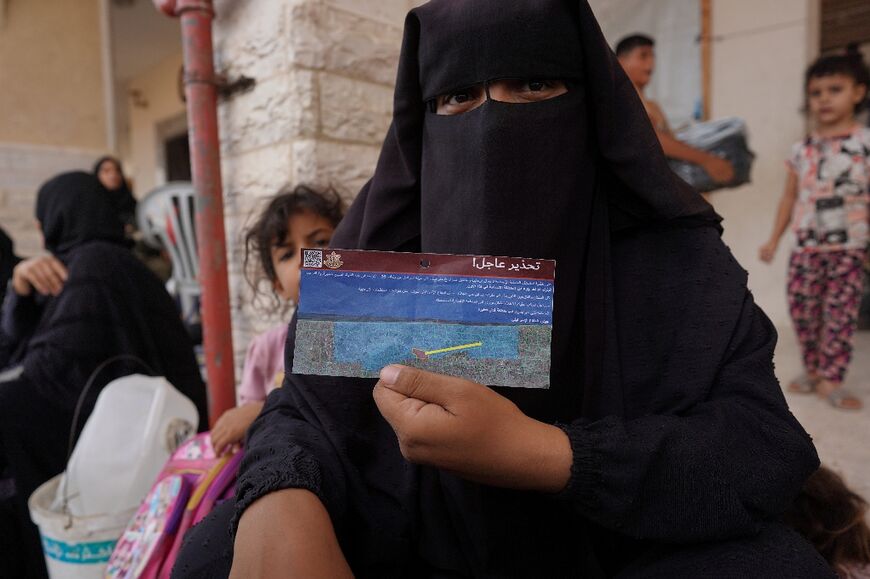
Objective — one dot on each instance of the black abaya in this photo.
(110, 305)
(8, 261)
(685, 453)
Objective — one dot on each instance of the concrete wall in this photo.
(759, 56)
(155, 112)
(23, 168)
(318, 114)
(50, 73)
(51, 103)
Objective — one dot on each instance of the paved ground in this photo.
(842, 437)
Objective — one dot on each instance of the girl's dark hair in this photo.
(272, 227)
(850, 64)
(831, 517)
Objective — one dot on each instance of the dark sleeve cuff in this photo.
(268, 470)
(585, 481)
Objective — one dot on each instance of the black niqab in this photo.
(679, 430)
(538, 180)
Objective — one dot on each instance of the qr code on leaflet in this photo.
(312, 258)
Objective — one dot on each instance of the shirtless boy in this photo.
(637, 55)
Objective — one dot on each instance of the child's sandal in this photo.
(802, 385)
(844, 400)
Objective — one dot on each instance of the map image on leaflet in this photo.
(487, 319)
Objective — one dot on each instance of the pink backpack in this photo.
(186, 490)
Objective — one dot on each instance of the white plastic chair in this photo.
(166, 219)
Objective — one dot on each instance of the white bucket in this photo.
(75, 547)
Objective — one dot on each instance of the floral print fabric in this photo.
(824, 294)
(831, 212)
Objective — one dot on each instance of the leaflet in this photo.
(488, 319)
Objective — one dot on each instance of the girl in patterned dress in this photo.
(293, 219)
(826, 202)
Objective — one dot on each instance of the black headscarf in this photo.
(551, 179)
(110, 304)
(74, 208)
(662, 369)
(122, 198)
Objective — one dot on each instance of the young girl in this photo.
(294, 219)
(832, 517)
(826, 202)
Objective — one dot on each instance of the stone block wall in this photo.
(322, 103)
(23, 168)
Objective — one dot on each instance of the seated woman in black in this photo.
(8, 261)
(68, 312)
(663, 447)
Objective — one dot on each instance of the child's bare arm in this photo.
(719, 169)
(783, 217)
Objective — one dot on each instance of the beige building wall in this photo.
(760, 52)
(322, 103)
(51, 103)
(155, 112)
(50, 71)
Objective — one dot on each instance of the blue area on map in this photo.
(377, 344)
(339, 295)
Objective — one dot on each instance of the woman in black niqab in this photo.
(684, 451)
(108, 170)
(110, 305)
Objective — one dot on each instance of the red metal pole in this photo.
(201, 92)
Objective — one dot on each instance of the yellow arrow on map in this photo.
(421, 355)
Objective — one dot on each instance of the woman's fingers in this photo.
(426, 386)
(46, 274)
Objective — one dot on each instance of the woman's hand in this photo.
(468, 429)
(232, 425)
(45, 273)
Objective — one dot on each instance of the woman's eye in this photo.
(322, 242)
(526, 90)
(288, 255)
(458, 98)
(460, 101)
